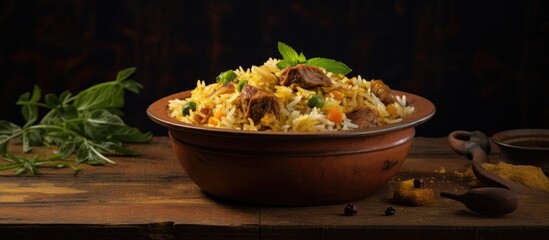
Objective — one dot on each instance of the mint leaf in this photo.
(285, 63)
(287, 52)
(330, 65)
(291, 58)
(301, 58)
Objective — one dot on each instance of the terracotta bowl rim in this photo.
(424, 110)
(500, 138)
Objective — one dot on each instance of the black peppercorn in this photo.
(350, 210)
(419, 183)
(390, 211)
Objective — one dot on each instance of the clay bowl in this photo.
(291, 169)
(525, 147)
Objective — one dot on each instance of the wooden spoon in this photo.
(475, 146)
(487, 201)
(501, 196)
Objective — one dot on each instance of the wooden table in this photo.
(151, 197)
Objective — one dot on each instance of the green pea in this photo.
(315, 101)
(226, 76)
(188, 107)
(241, 85)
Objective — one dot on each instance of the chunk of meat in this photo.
(305, 77)
(261, 104)
(382, 91)
(362, 117)
(226, 88)
(202, 115)
(248, 91)
(256, 103)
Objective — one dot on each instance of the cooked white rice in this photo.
(225, 111)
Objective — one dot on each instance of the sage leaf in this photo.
(64, 97)
(132, 86)
(130, 135)
(52, 100)
(113, 148)
(8, 128)
(26, 143)
(101, 123)
(124, 74)
(66, 149)
(67, 112)
(88, 154)
(28, 102)
(100, 96)
(35, 137)
(88, 125)
(4, 141)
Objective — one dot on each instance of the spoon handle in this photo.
(453, 196)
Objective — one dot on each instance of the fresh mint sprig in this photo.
(292, 58)
(88, 124)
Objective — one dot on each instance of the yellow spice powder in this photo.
(406, 194)
(530, 176)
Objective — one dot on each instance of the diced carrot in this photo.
(337, 95)
(218, 114)
(212, 120)
(334, 114)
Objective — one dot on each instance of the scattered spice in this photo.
(390, 211)
(441, 170)
(350, 210)
(528, 175)
(406, 194)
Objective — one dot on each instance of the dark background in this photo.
(484, 64)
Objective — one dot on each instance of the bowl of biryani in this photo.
(290, 134)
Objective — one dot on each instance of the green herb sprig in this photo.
(88, 124)
(292, 58)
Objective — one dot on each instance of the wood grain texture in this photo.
(150, 197)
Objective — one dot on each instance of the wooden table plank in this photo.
(130, 197)
(150, 197)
